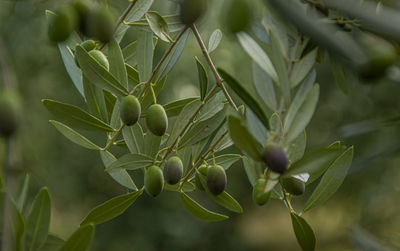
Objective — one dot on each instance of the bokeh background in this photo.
(363, 215)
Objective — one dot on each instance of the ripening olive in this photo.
(191, 10)
(100, 58)
(293, 185)
(259, 197)
(216, 179)
(275, 158)
(62, 24)
(157, 120)
(153, 181)
(238, 16)
(203, 170)
(9, 113)
(173, 170)
(88, 45)
(130, 110)
(101, 24)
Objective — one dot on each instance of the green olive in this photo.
(100, 58)
(203, 170)
(9, 113)
(173, 170)
(101, 24)
(259, 197)
(153, 181)
(238, 16)
(157, 120)
(191, 10)
(216, 179)
(82, 8)
(62, 24)
(88, 45)
(275, 158)
(293, 185)
(130, 110)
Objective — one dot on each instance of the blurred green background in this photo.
(363, 215)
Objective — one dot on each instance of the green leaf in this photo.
(117, 63)
(16, 224)
(110, 100)
(115, 120)
(158, 25)
(302, 68)
(304, 233)
(304, 114)
(257, 54)
(224, 199)
(213, 106)
(130, 161)
(134, 138)
(119, 175)
(74, 136)
(187, 187)
(97, 74)
(200, 212)
(75, 116)
(175, 107)
(80, 240)
(242, 138)
(265, 87)
(148, 97)
(250, 101)
(129, 53)
(111, 208)
(226, 140)
(38, 221)
(331, 180)
(252, 170)
(173, 57)
(203, 79)
(152, 145)
(226, 160)
(297, 147)
(214, 41)
(256, 128)
(23, 193)
(95, 100)
(53, 242)
(139, 9)
(144, 48)
(339, 74)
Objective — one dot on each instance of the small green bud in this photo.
(259, 197)
(157, 120)
(216, 179)
(153, 181)
(203, 170)
(191, 10)
(293, 185)
(275, 158)
(130, 110)
(173, 170)
(100, 58)
(62, 25)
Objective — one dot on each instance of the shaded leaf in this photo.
(80, 240)
(187, 187)
(129, 53)
(95, 100)
(213, 106)
(200, 212)
(265, 87)
(175, 107)
(117, 63)
(23, 193)
(252, 169)
(302, 68)
(304, 233)
(203, 79)
(256, 128)
(134, 138)
(226, 160)
(130, 161)
(152, 145)
(158, 25)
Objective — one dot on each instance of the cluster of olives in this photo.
(9, 113)
(91, 21)
(215, 176)
(90, 47)
(276, 160)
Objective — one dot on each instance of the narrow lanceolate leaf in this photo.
(257, 54)
(111, 208)
(297, 147)
(74, 136)
(152, 144)
(256, 128)
(80, 240)
(214, 41)
(53, 242)
(75, 116)
(226, 160)
(265, 87)
(252, 170)
(119, 175)
(38, 222)
(158, 25)
(117, 63)
(133, 77)
(213, 106)
(16, 223)
(97, 74)
(175, 107)
(23, 193)
(130, 161)
(250, 101)
(242, 138)
(302, 68)
(331, 180)
(339, 74)
(144, 48)
(304, 233)
(134, 138)
(95, 100)
(148, 97)
(187, 187)
(224, 199)
(200, 212)
(304, 114)
(203, 79)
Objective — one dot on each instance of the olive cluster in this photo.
(95, 21)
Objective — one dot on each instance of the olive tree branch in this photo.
(286, 199)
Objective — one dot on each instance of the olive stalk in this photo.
(112, 140)
(286, 199)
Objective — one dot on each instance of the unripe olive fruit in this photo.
(238, 16)
(191, 10)
(293, 185)
(173, 170)
(88, 45)
(259, 197)
(9, 113)
(82, 8)
(203, 170)
(216, 179)
(100, 58)
(62, 24)
(153, 181)
(130, 110)
(157, 120)
(101, 24)
(275, 158)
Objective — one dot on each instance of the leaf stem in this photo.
(112, 140)
(286, 199)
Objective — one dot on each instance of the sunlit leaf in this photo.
(214, 41)
(158, 25)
